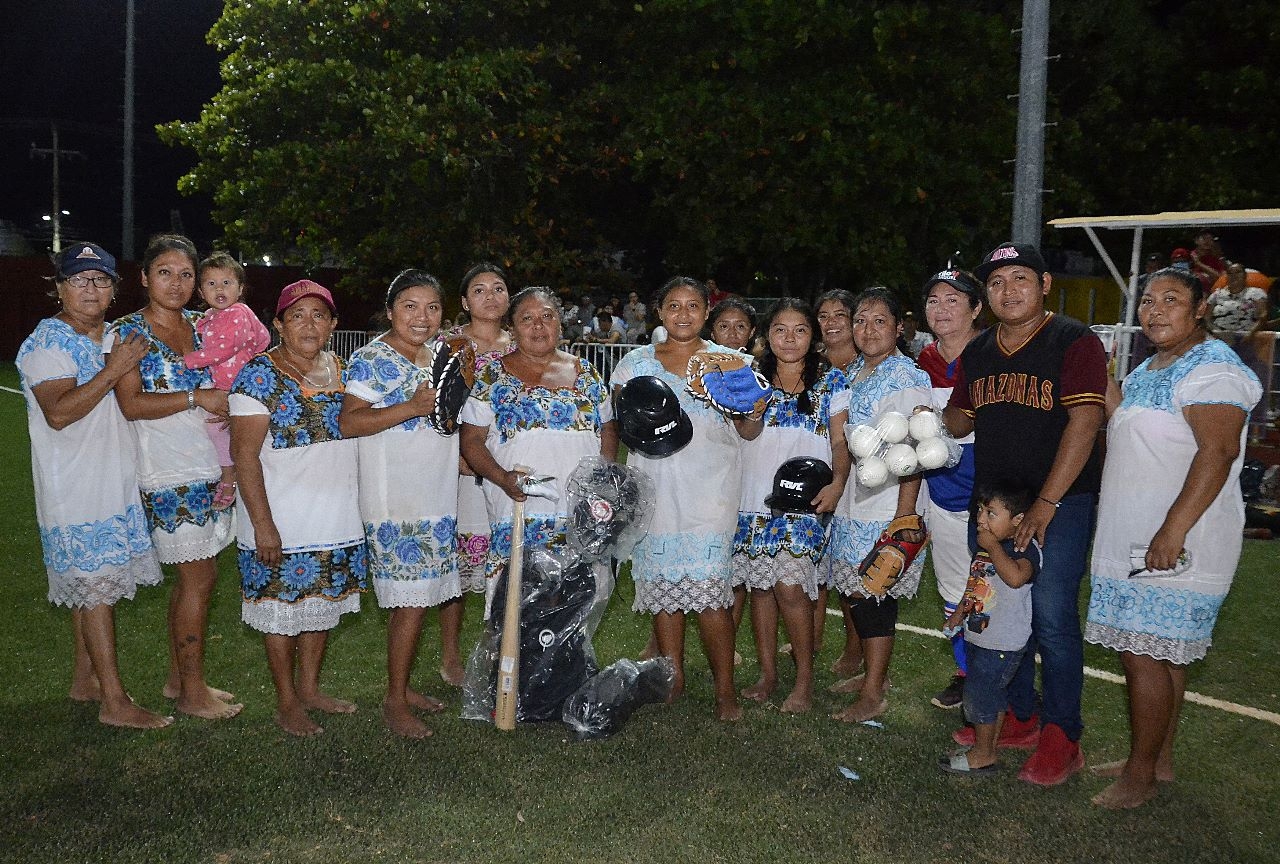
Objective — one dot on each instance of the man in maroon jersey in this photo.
(1031, 389)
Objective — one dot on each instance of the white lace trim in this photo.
(687, 595)
(762, 573)
(105, 586)
(1176, 651)
(419, 593)
(471, 578)
(195, 542)
(305, 616)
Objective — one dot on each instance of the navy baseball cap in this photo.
(962, 281)
(1008, 254)
(86, 256)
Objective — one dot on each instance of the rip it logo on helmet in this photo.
(665, 427)
(791, 485)
(601, 510)
(1004, 253)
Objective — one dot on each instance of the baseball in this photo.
(901, 460)
(872, 472)
(893, 426)
(863, 441)
(924, 426)
(931, 452)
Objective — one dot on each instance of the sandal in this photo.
(225, 495)
(959, 764)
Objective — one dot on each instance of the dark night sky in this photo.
(63, 60)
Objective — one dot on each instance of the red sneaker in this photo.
(1055, 760)
(1015, 734)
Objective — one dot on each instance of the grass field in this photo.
(673, 786)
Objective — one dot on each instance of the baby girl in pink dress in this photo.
(230, 335)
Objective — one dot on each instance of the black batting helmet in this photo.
(650, 419)
(797, 482)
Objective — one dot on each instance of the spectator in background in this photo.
(606, 327)
(1180, 259)
(1237, 313)
(715, 294)
(1207, 262)
(1155, 261)
(915, 338)
(586, 313)
(634, 317)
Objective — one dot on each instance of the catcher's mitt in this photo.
(452, 373)
(727, 381)
(892, 555)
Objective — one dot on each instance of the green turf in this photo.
(673, 786)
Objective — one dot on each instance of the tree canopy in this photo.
(801, 145)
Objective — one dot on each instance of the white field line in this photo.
(1197, 698)
(11, 390)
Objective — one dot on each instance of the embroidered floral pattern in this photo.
(412, 550)
(1170, 623)
(297, 418)
(91, 546)
(1154, 388)
(798, 534)
(55, 335)
(519, 408)
(784, 409)
(162, 369)
(896, 372)
(381, 371)
(331, 574)
(189, 504)
(541, 531)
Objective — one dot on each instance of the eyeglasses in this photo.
(86, 281)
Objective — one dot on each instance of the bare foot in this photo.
(1122, 795)
(677, 689)
(400, 719)
(798, 702)
(296, 722)
(737, 658)
(453, 674)
(728, 710)
(87, 690)
(326, 703)
(1115, 769)
(650, 649)
(863, 709)
(173, 691)
(423, 702)
(759, 691)
(209, 708)
(846, 666)
(127, 715)
(854, 684)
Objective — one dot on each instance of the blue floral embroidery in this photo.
(190, 504)
(90, 546)
(413, 550)
(329, 573)
(518, 408)
(54, 335)
(297, 418)
(162, 369)
(896, 372)
(1154, 388)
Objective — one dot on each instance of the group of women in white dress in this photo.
(344, 477)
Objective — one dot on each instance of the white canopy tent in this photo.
(1136, 224)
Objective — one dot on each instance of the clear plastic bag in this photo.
(899, 446)
(562, 600)
(603, 705)
(610, 507)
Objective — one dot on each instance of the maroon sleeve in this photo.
(1084, 373)
(960, 393)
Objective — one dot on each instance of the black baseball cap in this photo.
(1008, 254)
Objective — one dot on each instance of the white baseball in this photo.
(924, 426)
(932, 452)
(872, 472)
(863, 440)
(901, 459)
(893, 426)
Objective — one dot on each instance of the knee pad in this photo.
(874, 620)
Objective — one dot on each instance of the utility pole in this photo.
(1028, 176)
(56, 153)
(126, 205)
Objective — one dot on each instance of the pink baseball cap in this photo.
(304, 288)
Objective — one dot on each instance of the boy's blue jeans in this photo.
(1055, 621)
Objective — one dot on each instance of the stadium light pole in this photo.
(1033, 80)
(126, 203)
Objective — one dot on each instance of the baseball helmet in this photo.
(796, 483)
(650, 419)
(610, 506)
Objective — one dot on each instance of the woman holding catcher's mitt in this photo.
(682, 565)
(877, 535)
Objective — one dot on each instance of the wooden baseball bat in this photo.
(504, 716)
